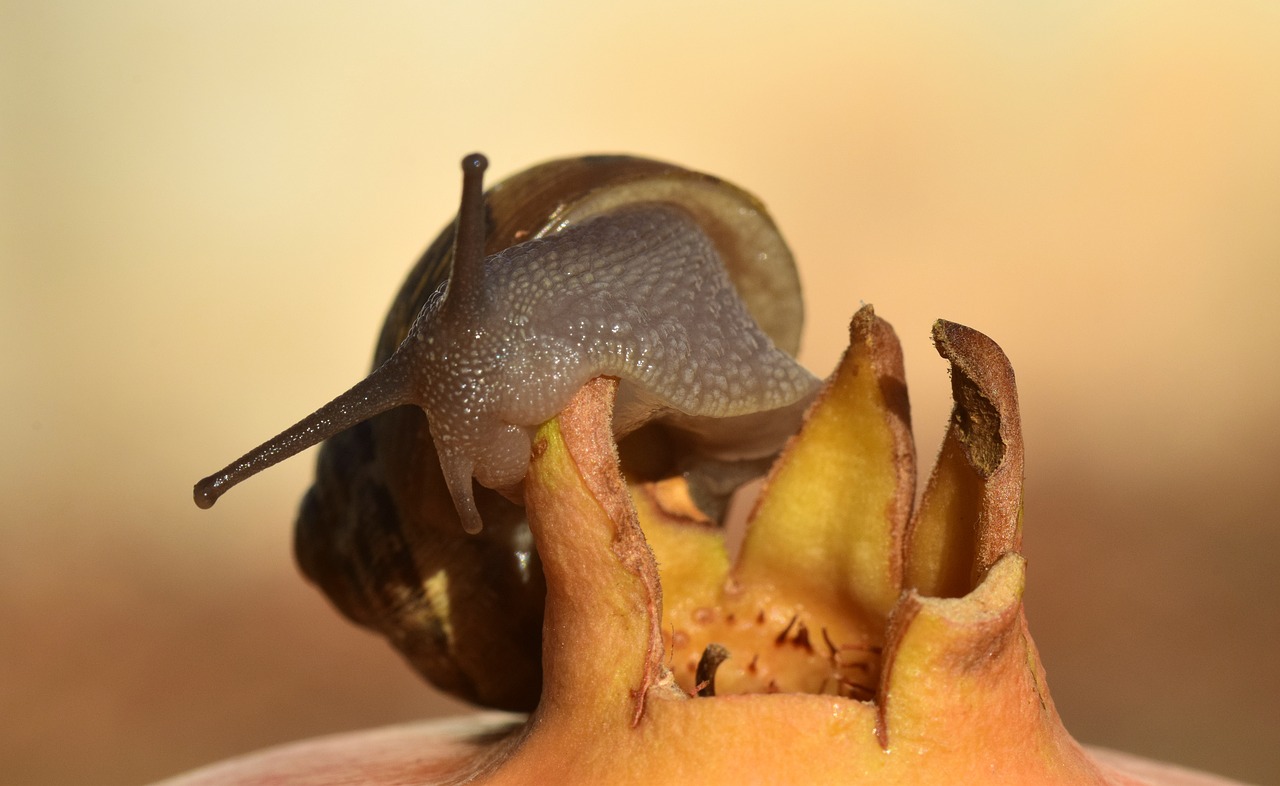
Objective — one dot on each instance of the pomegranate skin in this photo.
(437, 752)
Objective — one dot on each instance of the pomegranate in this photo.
(856, 637)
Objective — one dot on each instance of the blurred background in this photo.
(205, 209)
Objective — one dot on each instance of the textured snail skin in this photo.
(640, 294)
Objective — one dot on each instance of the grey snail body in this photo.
(675, 282)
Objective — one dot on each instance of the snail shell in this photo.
(380, 532)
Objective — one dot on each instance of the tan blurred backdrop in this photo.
(207, 208)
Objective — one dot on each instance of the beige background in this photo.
(207, 207)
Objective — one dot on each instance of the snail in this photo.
(675, 282)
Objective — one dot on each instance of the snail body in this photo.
(675, 282)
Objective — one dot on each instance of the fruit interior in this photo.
(834, 544)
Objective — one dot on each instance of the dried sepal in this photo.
(601, 575)
(971, 512)
(837, 501)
